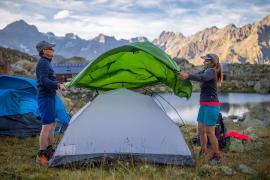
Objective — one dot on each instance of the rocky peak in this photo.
(50, 34)
(165, 37)
(101, 38)
(207, 31)
(230, 26)
(179, 35)
(265, 20)
(71, 36)
(138, 39)
(22, 26)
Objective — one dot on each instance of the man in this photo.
(47, 86)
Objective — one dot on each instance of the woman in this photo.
(210, 77)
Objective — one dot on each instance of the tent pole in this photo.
(173, 109)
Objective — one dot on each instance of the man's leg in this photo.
(51, 134)
(43, 144)
(44, 137)
(47, 111)
(50, 150)
(203, 137)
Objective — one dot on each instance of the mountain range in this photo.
(247, 44)
(24, 37)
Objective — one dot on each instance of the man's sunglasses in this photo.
(49, 49)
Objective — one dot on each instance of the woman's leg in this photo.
(203, 137)
(210, 130)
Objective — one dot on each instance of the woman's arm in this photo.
(206, 75)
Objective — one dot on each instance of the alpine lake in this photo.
(232, 104)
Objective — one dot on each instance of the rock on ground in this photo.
(245, 169)
(236, 145)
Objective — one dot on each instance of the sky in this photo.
(125, 19)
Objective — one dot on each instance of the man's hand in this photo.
(183, 75)
(141, 91)
(61, 86)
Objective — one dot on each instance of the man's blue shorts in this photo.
(208, 115)
(46, 107)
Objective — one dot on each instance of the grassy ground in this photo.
(17, 161)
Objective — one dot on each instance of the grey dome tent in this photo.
(121, 123)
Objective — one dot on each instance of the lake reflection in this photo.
(231, 104)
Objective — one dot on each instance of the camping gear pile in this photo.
(19, 115)
(223, 135)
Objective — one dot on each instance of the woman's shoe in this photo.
(215, 159)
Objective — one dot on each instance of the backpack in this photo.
(220, 132)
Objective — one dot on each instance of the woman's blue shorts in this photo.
(208, 115)
(46, 107)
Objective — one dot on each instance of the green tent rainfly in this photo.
(132, 66)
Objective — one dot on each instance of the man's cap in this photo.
(211, 57)
(43, 45)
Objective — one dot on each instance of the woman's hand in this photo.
(183, 75)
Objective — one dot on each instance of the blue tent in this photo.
(19, 115)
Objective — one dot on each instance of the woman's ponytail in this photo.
(215, 64)
(219, 74)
